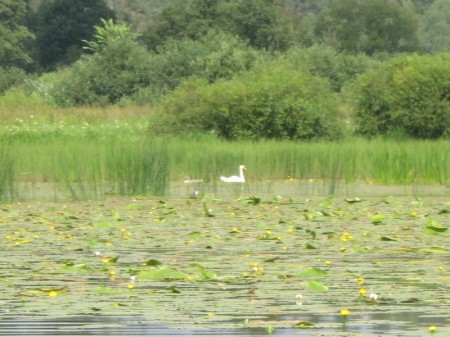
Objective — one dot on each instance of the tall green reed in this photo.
(139, 167)
(7, 173)
(91, 162)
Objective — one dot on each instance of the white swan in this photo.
(235, 179)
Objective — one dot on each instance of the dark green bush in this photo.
(407, 95)
(272, 100)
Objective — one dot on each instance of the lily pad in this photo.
(163, 273)
(312, 272)
(430, 229)
(378, 218)
(317, 286)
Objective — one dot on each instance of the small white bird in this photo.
(235, 179)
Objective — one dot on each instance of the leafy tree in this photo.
(181, 21)
(368, 26)
(216, 55)
(422, 5)
(61, 27)
(13, 34)
(118, 68)
(434, 32)
(407, 95)
(257, 21)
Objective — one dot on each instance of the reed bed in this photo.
(118, 156)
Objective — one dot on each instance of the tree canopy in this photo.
(14, 34)
(434, 29)
(368, 26)
(256, 21)
(61, 27)
(286, 69)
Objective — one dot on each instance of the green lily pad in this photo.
(434, 229)
(153, 262)
(378, 218)
(163, 273)
(317, 286)
(312, 272)
(303, 324)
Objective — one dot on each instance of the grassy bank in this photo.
(92, 154)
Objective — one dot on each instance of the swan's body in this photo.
(235, 179)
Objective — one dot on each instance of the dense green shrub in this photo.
(122, 70)
(119, 70)
(272, 100)
(10, 77)
(408, 95)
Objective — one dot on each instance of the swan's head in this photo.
(242, 167)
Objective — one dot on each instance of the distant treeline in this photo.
(244, 69)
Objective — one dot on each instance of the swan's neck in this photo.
(241, 173)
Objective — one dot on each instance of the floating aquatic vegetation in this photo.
(168, 263)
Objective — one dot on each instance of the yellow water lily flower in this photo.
(345, 312)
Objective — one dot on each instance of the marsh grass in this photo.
(7, 173)
(89, 155)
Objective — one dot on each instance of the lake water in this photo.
(43, 243)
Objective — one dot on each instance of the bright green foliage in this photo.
(270, 101)
(109, 34)
(434, 32)
(13, 33)
(368, 26)
(408, 95)
(61, 27)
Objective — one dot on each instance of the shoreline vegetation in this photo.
(93, 152)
